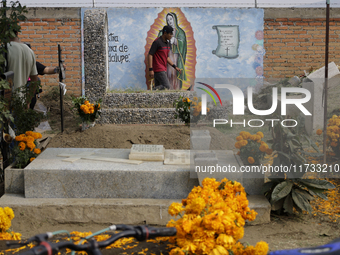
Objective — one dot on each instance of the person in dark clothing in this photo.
(159, 58)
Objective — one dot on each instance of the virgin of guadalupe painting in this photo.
(183, 50)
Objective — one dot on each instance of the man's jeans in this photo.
(161, 81)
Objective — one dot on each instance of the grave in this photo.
(315, 84)
(80, 185)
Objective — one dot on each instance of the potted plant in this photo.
(88, 112)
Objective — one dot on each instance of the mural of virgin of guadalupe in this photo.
(177, 54)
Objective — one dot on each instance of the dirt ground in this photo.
(283, 232)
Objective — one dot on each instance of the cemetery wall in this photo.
(44, 30)
(294, 40)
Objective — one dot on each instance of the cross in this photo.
(87, 155)
(227, 50)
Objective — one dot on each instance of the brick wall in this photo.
(44, 35)
(296, 44)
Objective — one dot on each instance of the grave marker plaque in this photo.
(147, 152)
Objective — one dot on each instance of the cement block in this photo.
(200, 140)
(50, 177)
(261, 205)
(14, 180)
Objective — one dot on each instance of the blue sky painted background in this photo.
(131, 25)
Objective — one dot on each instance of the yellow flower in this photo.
(37, 151)
(176, 251)
(263, 147)
(319, 132)
(261, 248)
(239, 138)
(251, 160)
(18, 138)
(31, 159)
(22, 146)
(9, 212)
(86, 102)
(184, 100)
(31, 146)
(175, 209)
(30, 139)
(28, 133)
(238, 145)
(260, 134)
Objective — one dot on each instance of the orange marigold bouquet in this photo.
(25, 151)
(212, 220)
(6, 215)
(87, 111)
(252, 148)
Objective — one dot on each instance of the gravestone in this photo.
(147, 152)
(177, 157)
(315, 84)
(200, 139)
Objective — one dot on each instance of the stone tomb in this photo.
(50, 176)
(73, 184)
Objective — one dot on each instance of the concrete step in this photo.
(105, 211)
(156, 99)
(138, 116)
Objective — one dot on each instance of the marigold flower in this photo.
(238, 145)
(31, 145)
(251, 160)
(18, 138)
(37, 151)
(263, 147)
(31, 159)
(22, 146)
(30, 139)
(175, 209)
(28, 133)
(261, 248)
(260, 134)
(239, 138)
(319, 132)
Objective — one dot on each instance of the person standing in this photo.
(158, 59)
(21, 60)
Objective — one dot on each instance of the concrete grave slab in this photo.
(50, 177)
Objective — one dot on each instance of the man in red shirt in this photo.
(159, 58)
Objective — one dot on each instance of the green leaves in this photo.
(301, 201)
(281, 190)
(319, 184)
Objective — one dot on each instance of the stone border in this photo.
(95, 53)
